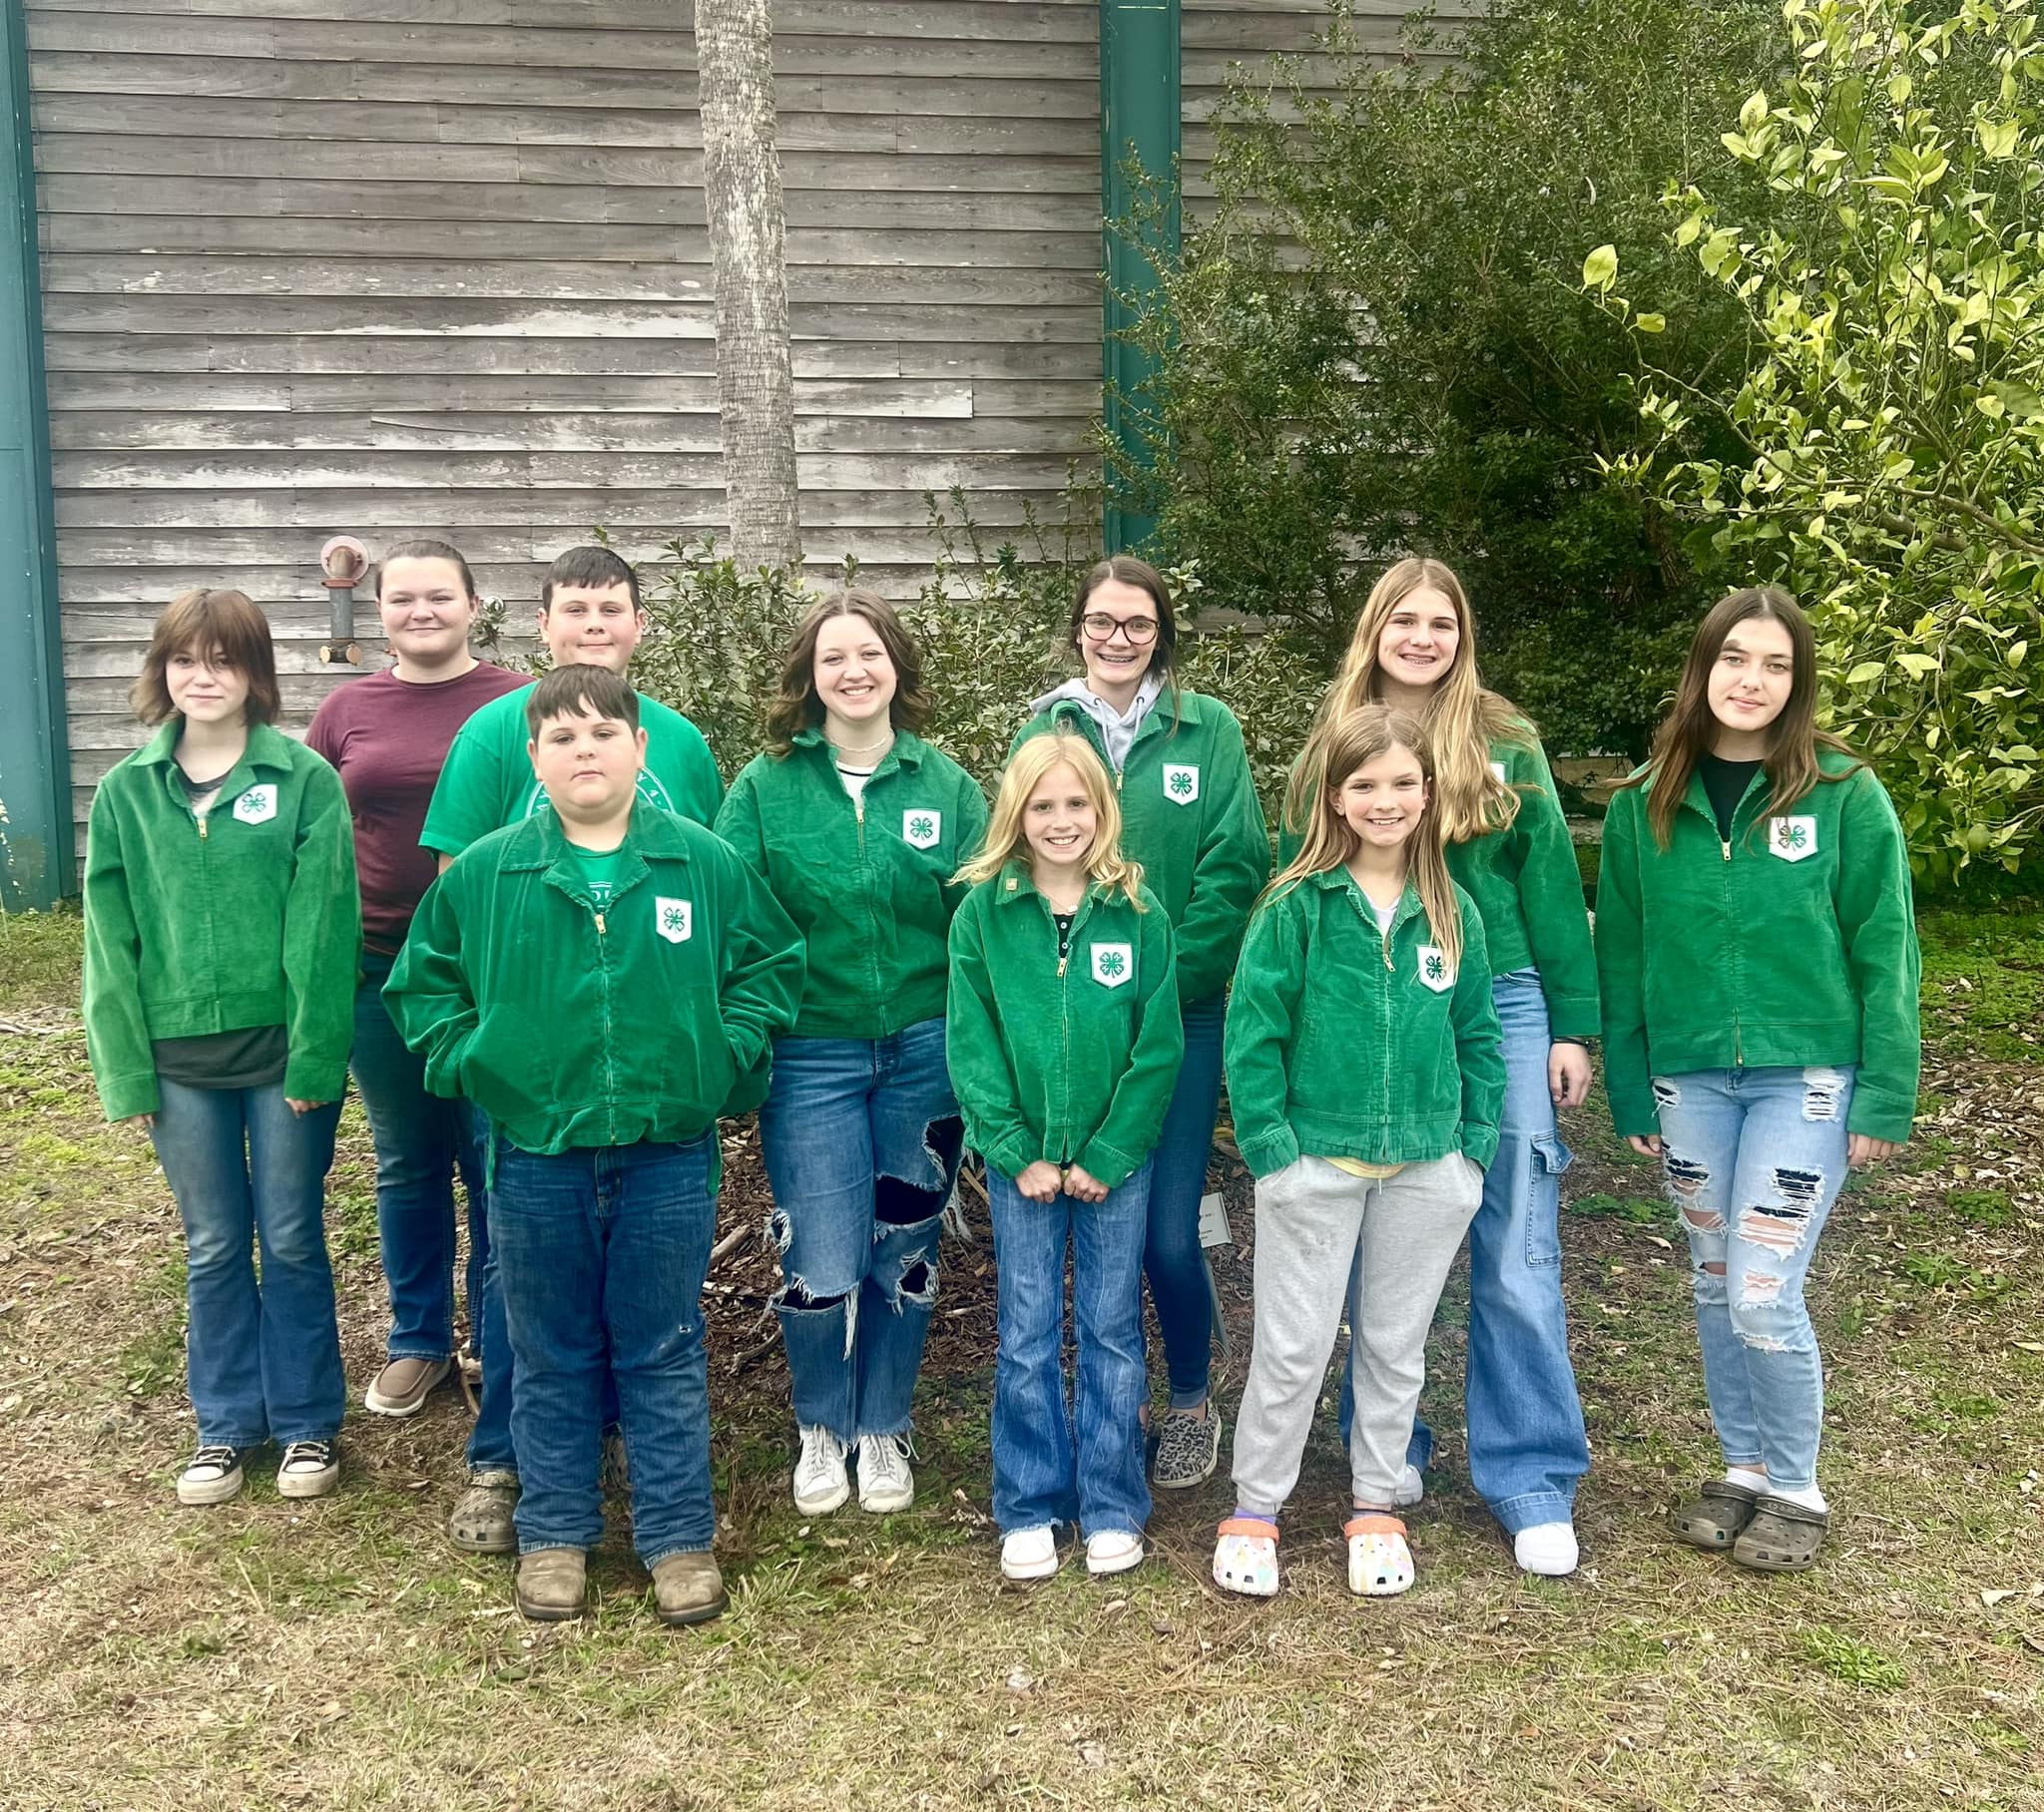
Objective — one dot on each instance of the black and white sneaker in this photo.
(311, 1469)
(211, 1476)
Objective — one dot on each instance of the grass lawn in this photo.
(339, 1655)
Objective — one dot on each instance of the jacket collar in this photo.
(1190, 708)
(649, 834)
(1013, 883)
(1338, 880)
(268, 747)
(906, 750)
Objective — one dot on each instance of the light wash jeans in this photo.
(1083, 1462)
(862, 1139)
(1753, 1160)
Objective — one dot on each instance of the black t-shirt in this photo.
(1064, 925)
(1725, 783)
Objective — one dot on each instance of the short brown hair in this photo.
(581, 691)
(798, 707)
(204, 622)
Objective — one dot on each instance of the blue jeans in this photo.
(1172, 1257)
(601, 1254)
(1527, 1445)
(264, 1358)
(861, 1140)
(420, 1142)
(1055, 1463)
(1753, 1160)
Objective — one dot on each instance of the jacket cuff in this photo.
(1010, 1157)
(124, 1096)
(1880, 1115)
(1573, 1016)
(1107, 1163)
(1272, 1153)
(1632, 1112)
(1479, 1142)
(315, 1078)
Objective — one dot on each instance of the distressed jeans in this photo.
(861, 1140)
(1753, 1160)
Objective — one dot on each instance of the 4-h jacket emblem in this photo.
(922, 829)
(258, 805)
(1113, 964)
(1181, 784)
(673, 919)
(1434, 968)
(1792, 838)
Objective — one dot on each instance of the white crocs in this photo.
(1246, 1558)
(1380, 1562)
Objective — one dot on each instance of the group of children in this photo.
(555, 953)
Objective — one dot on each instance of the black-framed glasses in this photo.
(1100, 627)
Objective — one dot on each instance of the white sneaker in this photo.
(311, 1469)
(1409, 1489)
(884, 1480)
(1112, 1550)
(821, 1484)
(1546, 1547)
(1030, 1553)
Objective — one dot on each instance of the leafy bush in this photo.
(1377, 343)
(1889, 397)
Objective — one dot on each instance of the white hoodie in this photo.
(1118, 732)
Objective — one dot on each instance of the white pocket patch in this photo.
(1181, 784)
(1498, 768)
(922, 829)
(258, 805)
(1113, 964)
(1792, 838)
(673, 919)
(1434, 971)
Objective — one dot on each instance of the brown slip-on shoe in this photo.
(553, 1584)
(688, 1589)
(401, 1387)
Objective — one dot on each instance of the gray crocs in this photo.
(1714, 1517)
(1783, 1536)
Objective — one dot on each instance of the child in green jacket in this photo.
(858, 827)
(1757, 947)
(1190, 816)
(222, 930)
(595, 979)
(1367, 1076)
(1063, 1040)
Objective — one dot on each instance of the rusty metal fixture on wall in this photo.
(343, 562)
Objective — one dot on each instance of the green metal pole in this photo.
(1139, 126)
(37, 863)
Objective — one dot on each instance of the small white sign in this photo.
(922, 829)
(1214, 1227)
(673, 919)
(1181, 784)
(258, 805)
(1434, 968)
(1792, 838)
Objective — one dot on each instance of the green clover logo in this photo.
(671, 918)
(921, 828)
(1110, 962)
(1794, 836)
(1181, 784)
(1435, 969)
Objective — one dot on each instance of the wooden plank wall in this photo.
(412, 267)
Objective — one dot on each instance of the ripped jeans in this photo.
(861, 1140)
(1753, 1160)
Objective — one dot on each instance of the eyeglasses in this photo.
(1100, 627)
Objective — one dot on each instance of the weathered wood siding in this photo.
(410, 267)
(402, 266)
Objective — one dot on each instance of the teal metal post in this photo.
(1139, 124)
(37, 865)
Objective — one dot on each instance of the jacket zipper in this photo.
(610, 1063)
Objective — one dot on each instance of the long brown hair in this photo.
(1335, 750)
(209, 623)
(1687, 732)
(797, 705)
(1007, 841)
(1463, 717)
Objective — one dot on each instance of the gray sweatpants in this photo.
(1313, 1221)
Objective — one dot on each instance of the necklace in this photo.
(862, 748)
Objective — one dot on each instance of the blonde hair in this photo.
(1007, 840)
(1461, 716)
(1335, 750)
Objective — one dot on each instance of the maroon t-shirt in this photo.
(389, 740)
